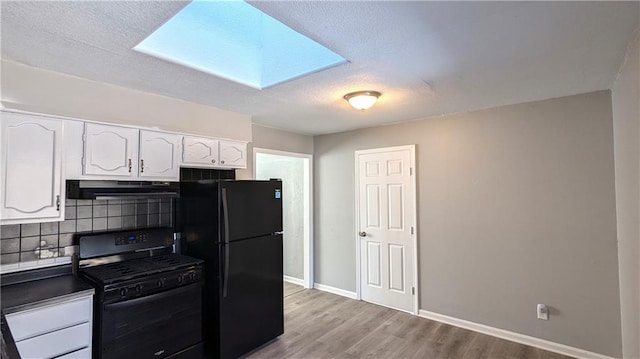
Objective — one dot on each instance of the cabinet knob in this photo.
(213, 161)
(222, 161)
(362, 234)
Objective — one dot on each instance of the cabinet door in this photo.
(199, 151)
(110, 150)
(159, 155)
(233, 154)
(32, 169)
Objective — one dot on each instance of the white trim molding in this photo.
(293, 280)
(513, 336)
(334, 290)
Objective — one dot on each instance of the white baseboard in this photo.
(334, 290)
(293, 280)
(512, 336)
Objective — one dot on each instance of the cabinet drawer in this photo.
(43, 320)
(56, 343)
(78, 354)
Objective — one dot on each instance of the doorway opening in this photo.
(295, 171)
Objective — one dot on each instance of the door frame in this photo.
(413, 172)
(308, 227)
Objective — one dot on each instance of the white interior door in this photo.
(386, 207)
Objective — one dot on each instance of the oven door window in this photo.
(154, 326)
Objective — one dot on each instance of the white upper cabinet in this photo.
(110, 150)
(233, 154)
(198, 151)
(159, 155)
(31, 183)
(213, 153)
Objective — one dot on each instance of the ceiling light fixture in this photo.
(362, 100)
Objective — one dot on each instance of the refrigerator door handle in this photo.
(225, 214)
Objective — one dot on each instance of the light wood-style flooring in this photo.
(324, 325)
(290, 288)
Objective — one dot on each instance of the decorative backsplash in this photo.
(44, 243)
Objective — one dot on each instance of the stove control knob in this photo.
(161, 283)
(123, 292)
(192, 275)
(138, 288)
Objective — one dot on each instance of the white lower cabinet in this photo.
(31, 180)
(58, 330)
(56, 343)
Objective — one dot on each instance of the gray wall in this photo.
(626, 132)
(274, 139)
(516, 206)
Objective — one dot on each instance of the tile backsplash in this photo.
(47, 242)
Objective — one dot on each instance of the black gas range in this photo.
(148, 301)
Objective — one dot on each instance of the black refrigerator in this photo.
(236, 228)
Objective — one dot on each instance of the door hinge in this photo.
(411, 229)
(410, 171)
(413, 290)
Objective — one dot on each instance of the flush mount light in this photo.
(362, 100)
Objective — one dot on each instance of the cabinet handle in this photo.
(58, 203)
(141, 166)
(129, 165)
(222, 161)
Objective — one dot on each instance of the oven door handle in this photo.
(225, 266)
(148, 298)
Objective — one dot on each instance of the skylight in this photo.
(236, 41)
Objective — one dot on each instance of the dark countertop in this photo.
(24, 296)
(32, 289)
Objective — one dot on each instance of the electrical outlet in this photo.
(542, 311)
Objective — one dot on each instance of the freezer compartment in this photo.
(250, 209)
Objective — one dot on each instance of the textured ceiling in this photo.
(427, 58)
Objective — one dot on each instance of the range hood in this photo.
(80, 189)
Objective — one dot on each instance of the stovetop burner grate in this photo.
(128, 269)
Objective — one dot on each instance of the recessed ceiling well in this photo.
(236, 41)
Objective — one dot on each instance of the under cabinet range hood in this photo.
(81, 189)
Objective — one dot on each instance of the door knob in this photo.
(362, 234)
